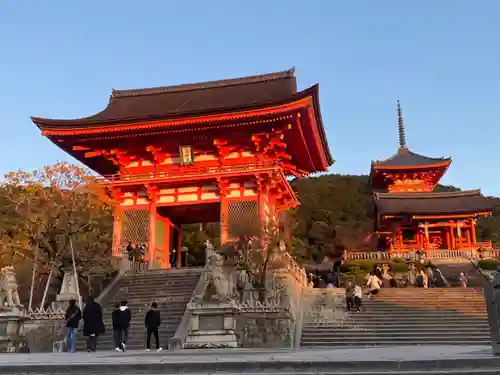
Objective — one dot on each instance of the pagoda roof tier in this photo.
(404, 158)
(194, 99)
(448, 203)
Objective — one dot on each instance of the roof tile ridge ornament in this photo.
(401, 129)
(290, 73)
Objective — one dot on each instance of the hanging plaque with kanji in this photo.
(186, 155)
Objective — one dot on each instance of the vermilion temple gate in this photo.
(214, 151)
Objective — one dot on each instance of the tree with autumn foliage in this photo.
(47, 211)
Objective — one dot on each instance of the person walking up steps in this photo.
(73, 316)
(93, 325)
(121, 317)
(152, 322)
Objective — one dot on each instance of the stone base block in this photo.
(211, 339)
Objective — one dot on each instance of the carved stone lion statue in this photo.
(385, 272)
(209, 250)
(218, 284)
(8, 287)
(412, 274)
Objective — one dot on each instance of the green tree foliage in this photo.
(335, 211)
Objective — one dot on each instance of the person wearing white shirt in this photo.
(374, 284)
(358, 294)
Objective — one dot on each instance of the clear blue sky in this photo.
(441, 58)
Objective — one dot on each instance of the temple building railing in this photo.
(190, 172)
(430, 254)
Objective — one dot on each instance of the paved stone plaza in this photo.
(379, 360)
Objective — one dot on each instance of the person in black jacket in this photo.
(121, 317)
(152, 322)
(93, 325)
(73, 316)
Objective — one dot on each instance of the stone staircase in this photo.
(410, 316)
(172, 289)
(451, 269)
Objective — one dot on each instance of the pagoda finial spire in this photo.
(401, 128)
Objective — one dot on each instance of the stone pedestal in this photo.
(212, 325)
(492, 298)
(12, 335)
(68, 290)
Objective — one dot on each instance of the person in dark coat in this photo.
(73, 316)
(152, 322)
(93, 325)
(121, 318)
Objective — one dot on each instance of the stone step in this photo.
(149, 286)
(399, 326)
(395, 322)
(159, 278)
(142, 309)
(361, 334)
(372, 315)
(162, 293)
(144, 306)
(326, 330)
(376, 341)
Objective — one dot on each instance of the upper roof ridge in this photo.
(290, 73)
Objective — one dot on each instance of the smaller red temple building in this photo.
(218, 151)
(411, 215)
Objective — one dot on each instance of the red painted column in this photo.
(166, 244)
(152, 235)
(224, 212)
(117, 231)
(473, 232)
(224, 224)
(179, 245)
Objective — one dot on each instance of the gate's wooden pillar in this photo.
(167, 243)
(117, 231)
(224, 211)
(152, 228)
(179, 245)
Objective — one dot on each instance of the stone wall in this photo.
(43, 335)
(273, 324)
(265, 329)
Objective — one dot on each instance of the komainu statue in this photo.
(9, 295)
(218, 284)
(209, 250)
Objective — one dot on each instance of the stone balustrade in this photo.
(430, 254)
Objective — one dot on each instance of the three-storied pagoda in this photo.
(410, 215)
(205, 152)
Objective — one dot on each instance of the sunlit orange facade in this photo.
(209, 152)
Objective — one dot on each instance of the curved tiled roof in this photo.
(185, 100)
(406, 158)
(459, 202)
